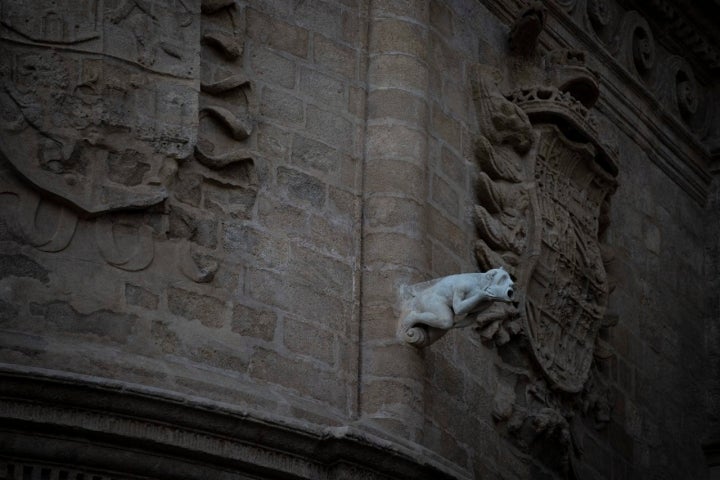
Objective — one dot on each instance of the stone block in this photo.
(351, 29)
(298, 374)
(271, 68)
(140, 297)
(446, 232)
(381, 285)
(441, 18)
(445, 196)
(446, 377)
(277, 34)
(395, 249)
(187, 187)
(335, 57)
(219, 355)
(336, 238)
(390, 394)
(356, 102)
(327, 91)
(226, 200)
(273, 142)
(164, 336)
(302, 188)
(415, 9)
(300, 299)
(320, 272)
(350, 166)
(454, 97)
(342, 204)
(281, 107)
(391, 35)
(308, 153)
(382, 361)
(445, 58)
(319, 16)
(310, 340)
(443, 262)
(208, 310)
(282, 216)
(455, 168)
(254, 246)
(398, 71)
(380, 319)
(395, 177)
(397, 104)
(446, 128)
(399, 214)
(330, 127)
(396, 141)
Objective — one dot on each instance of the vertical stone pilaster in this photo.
(394, 226)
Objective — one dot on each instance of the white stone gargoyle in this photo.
(430, 309)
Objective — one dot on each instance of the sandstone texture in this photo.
(210, 211)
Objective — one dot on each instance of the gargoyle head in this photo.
(501, 286)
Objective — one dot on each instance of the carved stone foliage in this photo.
(132, 117)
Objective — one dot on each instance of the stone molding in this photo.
(648, 105)
(89, 424)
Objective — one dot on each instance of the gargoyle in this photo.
(431, 308)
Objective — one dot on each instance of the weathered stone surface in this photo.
(193, 306)
(208, 207)
(22, 266)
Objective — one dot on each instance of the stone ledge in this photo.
(76, 421)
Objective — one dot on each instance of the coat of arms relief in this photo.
(547, 173)
(133, 118)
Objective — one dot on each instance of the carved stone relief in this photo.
(134, 118)
(543, 191)
(630, 39)
(99, 126)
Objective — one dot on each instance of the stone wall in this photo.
(215, 205)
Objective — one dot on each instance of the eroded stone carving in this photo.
(116, 124)
(431, 308)
(542, 220)
(543, 195)
(100, 125)
(525, 31)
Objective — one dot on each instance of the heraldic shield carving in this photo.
(543, 197)
(97, 103)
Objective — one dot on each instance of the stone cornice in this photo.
(126, 428)
(639, 94)
(685, 28)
